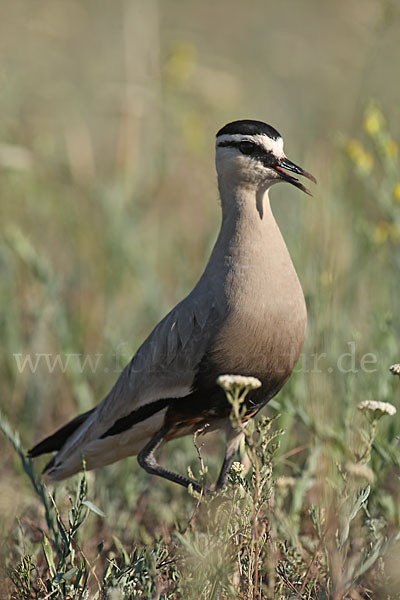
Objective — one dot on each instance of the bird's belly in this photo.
(266, 344)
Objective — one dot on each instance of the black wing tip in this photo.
(37, 450)
(54, 442)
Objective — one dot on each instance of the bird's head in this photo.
(251, 153)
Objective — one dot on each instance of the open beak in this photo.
(285, 163)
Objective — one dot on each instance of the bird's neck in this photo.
(266, 309)
(247, 219)
(250, 248)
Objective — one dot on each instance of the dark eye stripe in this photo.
(265, 156)
(237, 144)
(248, 148)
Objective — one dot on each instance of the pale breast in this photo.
(264, 332)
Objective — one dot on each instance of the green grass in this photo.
(107, 217)
(315, 516)
(262, 537)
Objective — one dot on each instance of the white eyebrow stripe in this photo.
(269, 145)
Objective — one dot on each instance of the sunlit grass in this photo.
(316, 514)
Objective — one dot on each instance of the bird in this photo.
(246, 315)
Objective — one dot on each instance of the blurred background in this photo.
(109, 207)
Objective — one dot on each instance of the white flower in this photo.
(375, 406)
(230, 382)
(237, 467)
(284, 481)
(395, 369)
(360, 471)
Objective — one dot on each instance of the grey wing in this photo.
(164, 367)
(169, 357)
(166, 363)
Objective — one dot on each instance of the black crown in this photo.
(249, 127)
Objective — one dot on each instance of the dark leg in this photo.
(233, 438)
(147, 460)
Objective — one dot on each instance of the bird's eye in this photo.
(247, 147)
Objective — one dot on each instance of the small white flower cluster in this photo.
(375, 406)
(395, 369)
(237, 467)
(230, 382)
(285, 481)
(360, 471)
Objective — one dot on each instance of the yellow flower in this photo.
(180, 64)
(373, 121)
(366, 162)
(354, 149)
(362, 159)
(396, 192)
(392, 148)
(381, 233)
